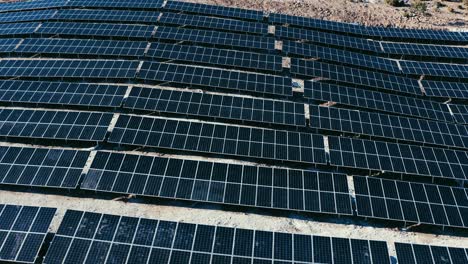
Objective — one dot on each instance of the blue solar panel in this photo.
(95, 30)
(8, 45)
(38, 15)
(445, 89)
(446, 70)
(117, 4)
(19, 29)
(32, 5)
(121, 16)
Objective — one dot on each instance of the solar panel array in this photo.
(265, 112)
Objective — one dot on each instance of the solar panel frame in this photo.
(445, 89)
(218, 139)
(27, 16)
(41, 167)
(418, 253)
(50, 124)
(24, 229)
(121, 16)
(62, 93)
(216, 106)
(222, 183)
(411, 202)
(446, 70)
(101, 30)
(154, 241)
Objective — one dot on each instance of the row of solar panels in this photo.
(88, 237)
(377, 32)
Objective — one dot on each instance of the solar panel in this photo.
(286, 189)
(23, 230)
(62, 93)
(212, 10)
(38, 15)
(418, 254)
(213, 23)
(124, 16)
(95, 29)
(445, 89)
(355, 76)
(389, 126)
(32, 5)
(66, 125)
(404, 34)
(215, 38)
(222, 57)
(19, 29)
(446, 70)
(216, 78)
(327, 39)
(377, 101)
(41, 167)
(411, 202)
(140, 240)
(425, 50)
(399, 158)
(341, 56)
(102, 69)
(85, 47)
(217, 106)
(8, 45)
(117, 4)
(460, 113)
(218, 138)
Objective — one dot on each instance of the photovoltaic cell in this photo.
(86, 47)
(123, 16)
(117, 4)
(22, 231)
(62, 93)
(460, 113)
(101, 69)
(377, 101)
(222, 57)
(425, 50)
(215, 38)
(41, 167)
(285, 189)
(411, 202)
(8, 45)
(212, 10)
(389, 126)
(404, 34)
(220, 139)
(355, 76)
(32, 5)
(216, 106)
(85, 237)
(16, 29)
(434, 69)
(399, 158)
(28, 16)
(214, 23)
(418, 254)
(95, 29)
(216, 78)
(445, 89)
(341, 56)
(66, 125)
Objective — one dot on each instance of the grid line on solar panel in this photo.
(213, 23)
(446, 70)
(389, 126)
(215, 38)
(8, 45)
(31, 5)
(26, 16)
(416, 253)
(107, 15)
(399, 158)
(19, 29)
(212, 10)
(376, 100)
(411, 202)
(62, 93)
(23, 230)
(41, 167)
(102, 69)
(216, 106)
(413, 49)
(224, 57)
(355, 76)
(82, 47)
(216, 78)
(336, 55)
(445, 89)
(460, 113)
(95, 29)
(285, 189)
(403, 34)
(219, 139)
(117, 4)
(66, 125)
(140, 240)
(327, 38)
